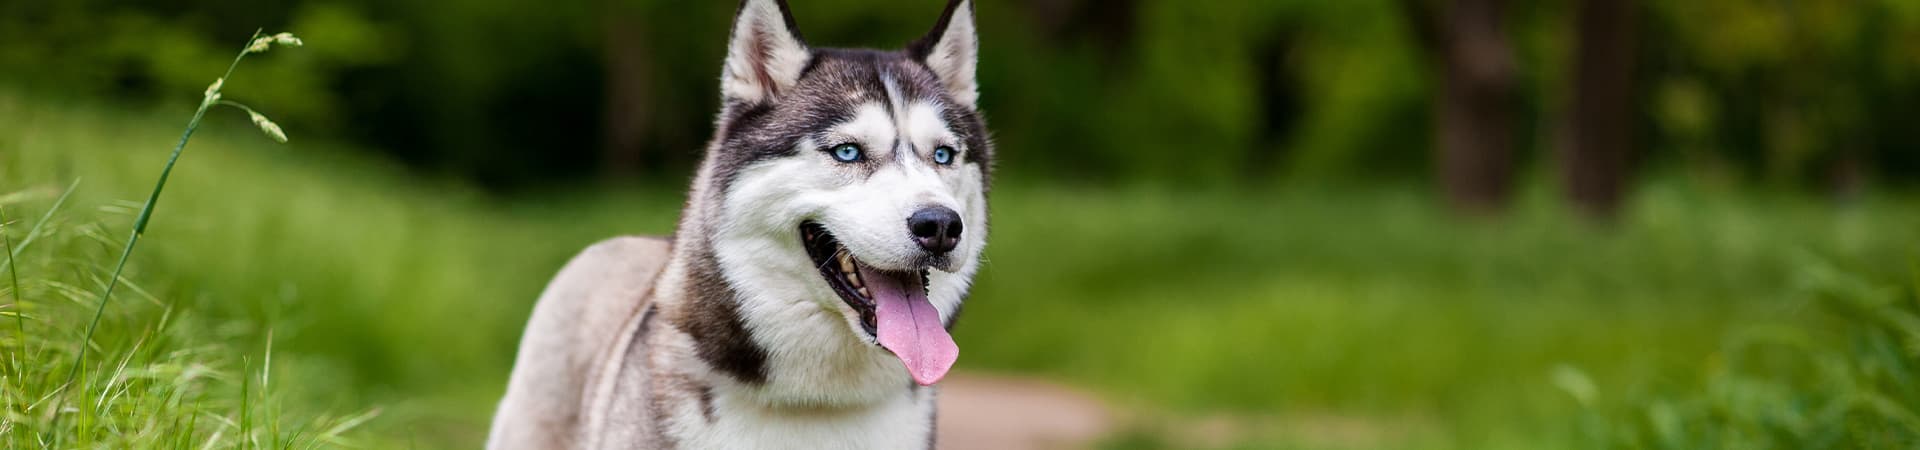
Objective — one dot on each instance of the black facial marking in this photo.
(972, 130)
(878, 84)
(835, 84)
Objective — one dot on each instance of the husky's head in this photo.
(848, 185)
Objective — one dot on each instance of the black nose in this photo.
(936, 229)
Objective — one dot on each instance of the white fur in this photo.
(897, 422)
(955, 56)
(787, 304)
(762, 28)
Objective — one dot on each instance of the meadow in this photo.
(304, 295)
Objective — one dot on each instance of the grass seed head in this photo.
(267, 126)
(213, 90)
(260, 44)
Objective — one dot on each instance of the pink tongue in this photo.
(909, 326)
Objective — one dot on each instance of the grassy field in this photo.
(302, 294)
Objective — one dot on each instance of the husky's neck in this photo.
(749, 309)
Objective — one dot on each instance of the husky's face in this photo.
(853, 181)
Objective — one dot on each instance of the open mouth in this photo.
(893, 305)
(842, 272)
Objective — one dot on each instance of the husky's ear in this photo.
(952, 50)
(766, 55)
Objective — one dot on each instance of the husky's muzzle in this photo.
(893, 305)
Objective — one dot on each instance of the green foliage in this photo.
(1845, 380)
(1159, 91)
(1784, 92)
(146, 50)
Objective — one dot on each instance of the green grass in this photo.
(1303, 317)
(380, 292)
(1848, 376)
(1373, 304)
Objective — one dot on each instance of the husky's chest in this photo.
(905, 422)
(663, 396)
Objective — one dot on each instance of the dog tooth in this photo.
(854, 278)
(864, 293)
(846, 263)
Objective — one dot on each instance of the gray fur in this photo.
(642, 342)
(571, 332)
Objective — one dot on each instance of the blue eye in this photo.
(943, 155)
(847, 152)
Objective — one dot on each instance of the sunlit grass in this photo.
(375, 292)
(147, 392)
(154, 376)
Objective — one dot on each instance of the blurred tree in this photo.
(515, 92)
(629, 91)
(1109, 24)
(1466, 41)
(1280, 99)
(1599, 127)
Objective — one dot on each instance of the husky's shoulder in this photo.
(576, 321)
(594, 294)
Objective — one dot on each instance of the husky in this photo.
(804, 301)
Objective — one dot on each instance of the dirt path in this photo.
(996, 412)
(987, 412)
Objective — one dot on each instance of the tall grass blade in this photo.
(19, 302)
(140, 227)
(34, 233)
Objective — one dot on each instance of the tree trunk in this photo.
(1599, 141)
(1278, 92)
(1474, 108)
(629, 92)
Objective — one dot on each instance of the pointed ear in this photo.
(765, 55)
(952, 50)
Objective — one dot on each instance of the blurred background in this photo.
(1228, 224)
